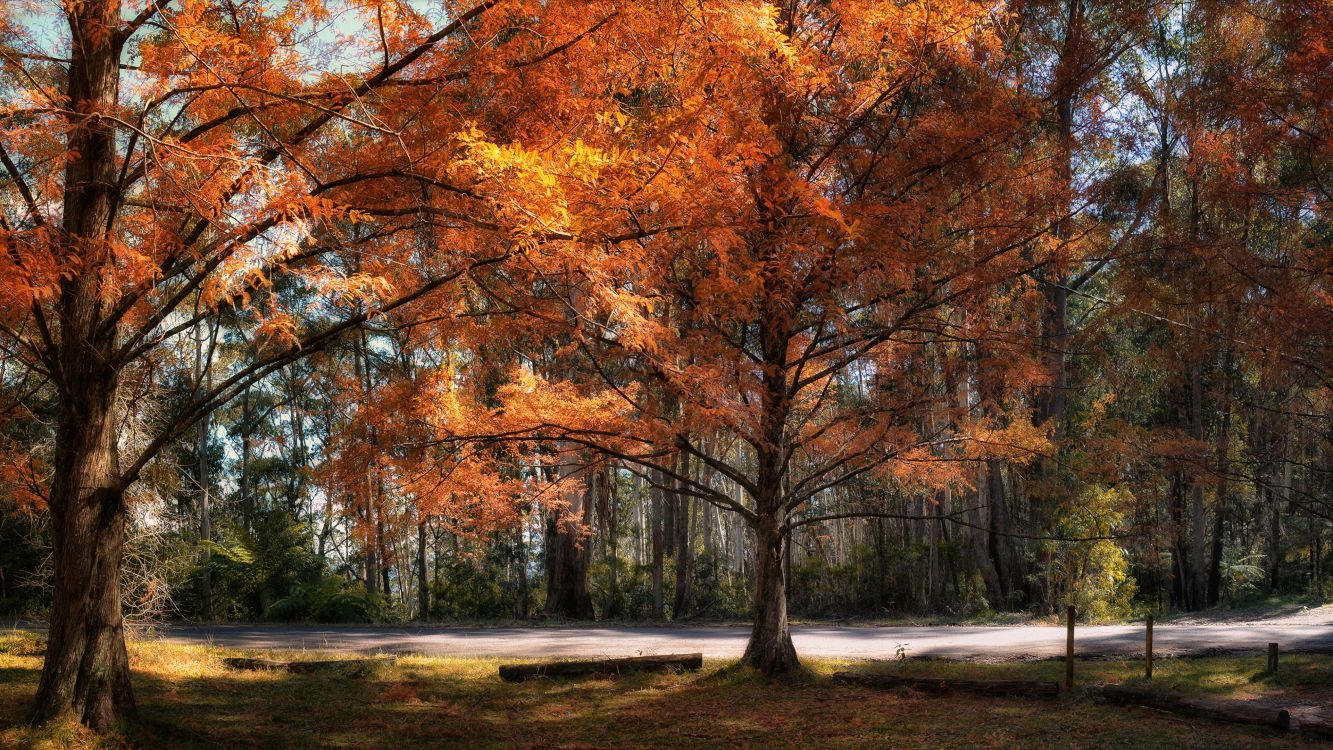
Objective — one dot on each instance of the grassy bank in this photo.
(189, 699)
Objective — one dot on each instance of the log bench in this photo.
(349, 667)
(943, 686)
(657, 663)
(1235, 713)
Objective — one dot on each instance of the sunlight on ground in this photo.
(190, 699)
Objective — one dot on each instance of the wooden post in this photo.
(1069, 651)
(1272, 658)
(1147, 650)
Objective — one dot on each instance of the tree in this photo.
(854, 196)
(170, 162)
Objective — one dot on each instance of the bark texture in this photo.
(86, 674)
(770, 649)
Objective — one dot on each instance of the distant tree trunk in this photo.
(1276, 500)
(567, 579)
(524, 587)
(613, 542)
(423, 585)
(670, 511)
(204, 374)
(1223, 469)
(934, 578)
(386, 567)
(1179, 543)
(981, 548)
(206, 558)
(706, 517)
(999, 534)
(655, 495)
(1317, 559)
(372, 577)
(247, 499)
(1198, 588)
(684, 546)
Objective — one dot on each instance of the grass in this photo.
(189, 699)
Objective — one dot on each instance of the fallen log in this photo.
(657, 663)
(349, 667)
(1318, 728)
(941, 685)
(1235, 713)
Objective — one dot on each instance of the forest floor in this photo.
(189, 699)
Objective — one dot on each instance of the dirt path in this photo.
(985, 643)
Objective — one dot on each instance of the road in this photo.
(984, 643)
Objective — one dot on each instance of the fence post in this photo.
(1147, 650)
(1069, 651)
(1272, 658)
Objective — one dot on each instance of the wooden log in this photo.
(1236, 713)
(1318, 728)
(655, 663)
(350, 667)
(942, 686)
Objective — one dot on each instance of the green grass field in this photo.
(189, 699)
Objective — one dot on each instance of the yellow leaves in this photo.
(532, 203)
(616, 120)
(586, 162)
(532, 404)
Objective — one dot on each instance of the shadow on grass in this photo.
(434, 703)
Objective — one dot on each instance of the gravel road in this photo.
(961, 642)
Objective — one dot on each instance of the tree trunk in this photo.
(247, 499)
(655, 498)
(1214, 593)
(383, 556)
(999, 534)
(524, 588)
(770, 649)
(203, 480)
(423, 586)
(86, 674)
(567, 582)
(1198, 589)
(684, 557)
(1276, 500)
(371, 572)
(613, 554)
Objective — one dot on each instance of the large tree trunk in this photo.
(770, 649)
(86, 676)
